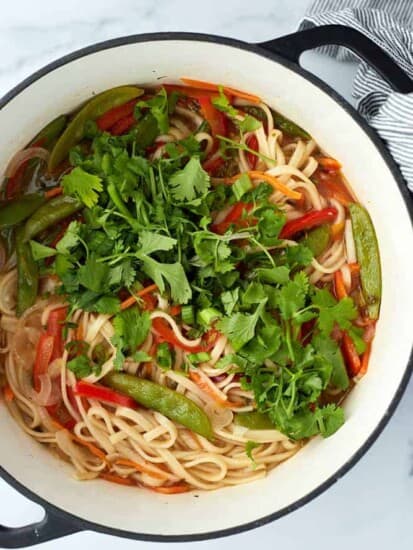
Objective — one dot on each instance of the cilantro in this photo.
(291, 297)
(240, 327)
(230, 299)
(331, 312)
(83, 186)
(131, 329)
(40, 251)
(160, 107)
(189, 183)
(81, 366)
(164, 356)
(247, 124)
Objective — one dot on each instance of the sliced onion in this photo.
(48, 394)
(350, 246)
(23, 156)
(219, 416)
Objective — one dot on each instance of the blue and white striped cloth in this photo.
(389, 23)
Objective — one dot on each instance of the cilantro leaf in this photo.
(40, 251)
(229, 300)
(292, 296)
(83, 186)
(131, 329)
(159, 106)
(342, 312)
(152, 242)
(189, 183)
(70, 239)
(329, 350)
(93, 274)
(81, 366)
(173, 274)
(240, 327)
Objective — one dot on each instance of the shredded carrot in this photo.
(116, 479)
(8, 394)
(329, 163)
(365, 359)
(215, 88)
(337, 230)
(354, 267)
(196, 377)
(50, 193)
(79, 332)
(92, 448)
(339, 286)
(272, 180)
(140, 467)
(132, 299)
(171, 490)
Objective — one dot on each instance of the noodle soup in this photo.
(188, 288)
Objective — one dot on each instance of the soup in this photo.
(188, 289)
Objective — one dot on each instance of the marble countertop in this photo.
(371, 506)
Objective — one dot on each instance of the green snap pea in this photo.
(146, 131)
(254, 421)
(170, 403)
(317, 240)
(27, 274)
(53, 211)
(93, 109)
(288, 126)
(368, 257)
(18, 210)
(49, 134)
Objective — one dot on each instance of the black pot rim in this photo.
(83, 524)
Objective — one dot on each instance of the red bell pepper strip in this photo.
(111, 117)
(166, 334)
(351, 357)
(101, 393)
(123, 125)
(308, 221)
(252, 143)
(55, 329)
(61, 415)
(212, 165)
(233, 216)
(216, 119)
(43, 356)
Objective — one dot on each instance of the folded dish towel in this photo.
(389, 23)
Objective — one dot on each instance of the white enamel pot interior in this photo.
(150, 515)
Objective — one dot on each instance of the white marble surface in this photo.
(372, 505)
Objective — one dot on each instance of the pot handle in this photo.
(49, 528)
(293, 45)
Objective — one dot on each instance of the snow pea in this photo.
(49, 134)
(94, 108)
(254, 421)
(368, 257)
(288, 126)
(18, 210)
(27, 274)
(317, 240)
(168, 402)
(50, 213)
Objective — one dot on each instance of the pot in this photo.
(270, 70)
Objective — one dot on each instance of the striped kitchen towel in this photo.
(389, 23)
